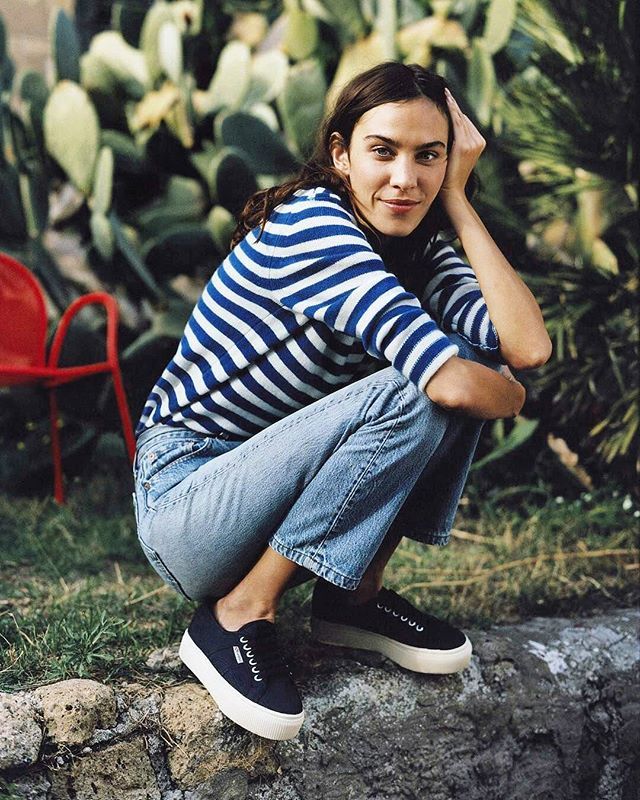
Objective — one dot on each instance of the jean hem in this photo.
(314, 565)
(438, 538)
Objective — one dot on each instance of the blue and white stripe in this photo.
(299, 310)
(453, 296)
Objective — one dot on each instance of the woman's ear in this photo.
(339, 153)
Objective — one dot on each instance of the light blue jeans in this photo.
(322, 486)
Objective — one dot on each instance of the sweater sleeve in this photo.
(453, 296)
(322, 266)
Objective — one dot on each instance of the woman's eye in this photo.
(382, 151)
(428, 155)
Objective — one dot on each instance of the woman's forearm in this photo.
(524, 342)
(473, 389)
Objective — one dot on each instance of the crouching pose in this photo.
(327, 396)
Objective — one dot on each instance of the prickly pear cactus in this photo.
(168, 123)
(301, 104)
(72, 132)
(103, 181)
(65, 47)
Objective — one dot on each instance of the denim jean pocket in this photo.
(160, 567)
(167, 460)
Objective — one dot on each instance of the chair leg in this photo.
(58, 488)
(123, 408)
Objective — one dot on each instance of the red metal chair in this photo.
(23, 333)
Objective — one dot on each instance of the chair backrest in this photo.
(23, 316)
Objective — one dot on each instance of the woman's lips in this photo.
(400, 206)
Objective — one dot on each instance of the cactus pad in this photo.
(72, 132)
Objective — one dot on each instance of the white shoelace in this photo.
(267, 661)
(411, 623)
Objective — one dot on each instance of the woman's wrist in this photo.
(453, 195)
(457, 205)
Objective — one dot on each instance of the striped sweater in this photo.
(301, 310)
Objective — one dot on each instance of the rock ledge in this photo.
(547, 709)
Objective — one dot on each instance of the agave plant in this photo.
(568, 119)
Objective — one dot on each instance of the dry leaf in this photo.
(154, 107)
(569, 459)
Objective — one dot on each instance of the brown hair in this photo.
(390, 82)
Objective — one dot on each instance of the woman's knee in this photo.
(399, 402)
(419, 412)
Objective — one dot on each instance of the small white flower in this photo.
(559, 500)
(615, 493)
(587, 497)
(627, 503)
(636, 513)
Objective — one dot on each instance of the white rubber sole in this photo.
(418, 659)
(244, 712)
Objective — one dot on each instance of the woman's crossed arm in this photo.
(524, 342)
(463, 385)
(476, 390)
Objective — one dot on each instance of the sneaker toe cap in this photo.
(444, 636)
(282, 697)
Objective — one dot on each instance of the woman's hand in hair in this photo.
(468, 144)
(514, 311)
(473, 389)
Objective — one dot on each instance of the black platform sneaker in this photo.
(390, 625)
(244, 673)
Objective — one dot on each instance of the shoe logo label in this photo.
(237, 654)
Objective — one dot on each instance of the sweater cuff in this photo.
(434, 365)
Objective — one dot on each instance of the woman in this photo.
(327, 396)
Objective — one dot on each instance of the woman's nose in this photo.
(403, 173)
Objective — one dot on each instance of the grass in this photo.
(78, 599)
(541, 555)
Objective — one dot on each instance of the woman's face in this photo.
(395, 163)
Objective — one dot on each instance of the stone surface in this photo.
(20, 730)
(547, 709)
(74, 709)
(231, 784)
(119, 772)
(187, 710)
(137, 709)
(202, 741)
(30, 787)
(165, 659)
